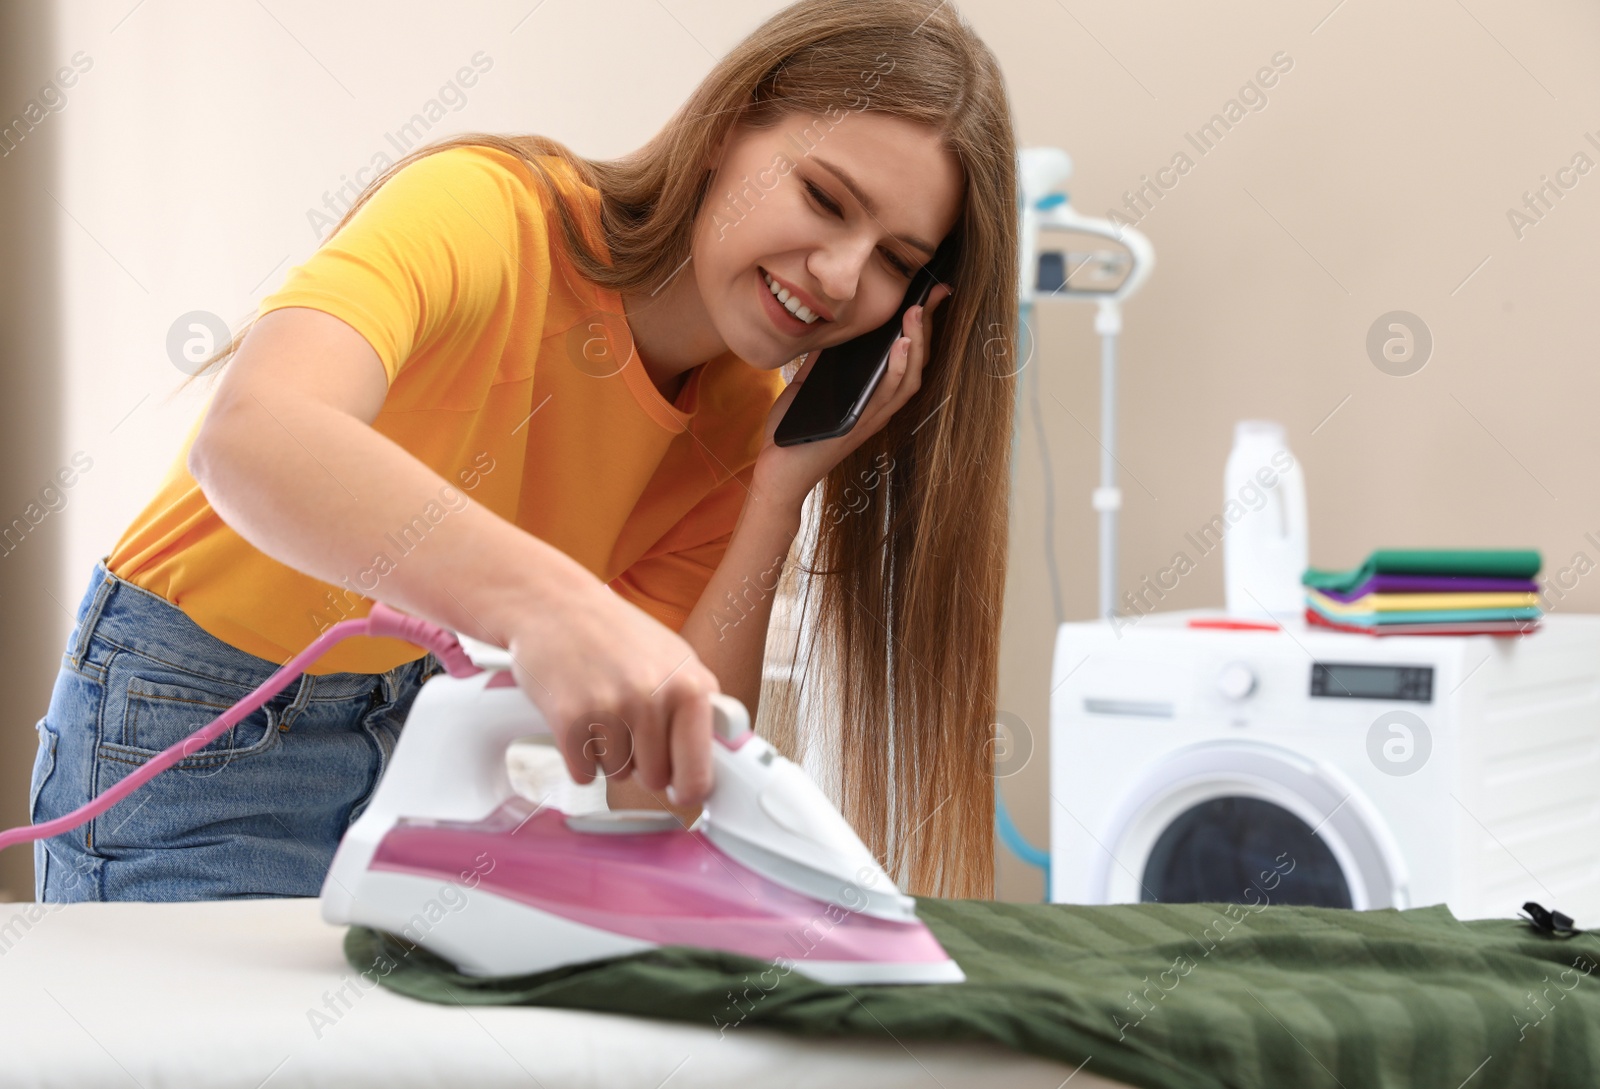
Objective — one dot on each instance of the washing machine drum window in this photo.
(1223, 849)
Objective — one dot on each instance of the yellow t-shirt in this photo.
(515, 380)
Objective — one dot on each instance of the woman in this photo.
(531, 397)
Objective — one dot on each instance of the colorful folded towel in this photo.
(1429, 592)
(1381, 605)
(1503, 563)
(1407, 584)
(1471, 627)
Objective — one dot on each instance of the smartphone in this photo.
(841, 381)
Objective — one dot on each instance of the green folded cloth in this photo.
(1160, 996)
(1511, 563)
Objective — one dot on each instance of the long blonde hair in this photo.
(906, 594)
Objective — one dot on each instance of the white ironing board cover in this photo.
(220, 993)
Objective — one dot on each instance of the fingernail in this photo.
(918, 312)
(672, 794)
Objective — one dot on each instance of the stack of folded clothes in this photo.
(1403, 591)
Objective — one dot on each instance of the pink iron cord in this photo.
(381, 622)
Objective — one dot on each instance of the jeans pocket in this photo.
(65, 869)
(43, 764)
(160, 713)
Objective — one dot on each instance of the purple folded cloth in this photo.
(1434, 584)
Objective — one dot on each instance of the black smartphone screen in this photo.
(841, 381)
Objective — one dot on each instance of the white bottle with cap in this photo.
(1264, 549)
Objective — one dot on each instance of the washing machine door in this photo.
(1245, 823)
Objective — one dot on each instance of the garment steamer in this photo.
(450, 857)
(1109, 275)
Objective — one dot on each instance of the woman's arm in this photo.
(286, 456)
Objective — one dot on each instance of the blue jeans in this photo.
(256, 813)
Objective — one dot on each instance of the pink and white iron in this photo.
(449, 856)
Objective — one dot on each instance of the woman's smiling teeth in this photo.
(790, 303)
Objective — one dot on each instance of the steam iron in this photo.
(448, 856)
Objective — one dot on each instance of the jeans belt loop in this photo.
(391, 684)
(302, 696)
(90, 619)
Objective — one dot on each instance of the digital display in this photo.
(1347, 680)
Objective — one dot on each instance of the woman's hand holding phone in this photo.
(788, 473)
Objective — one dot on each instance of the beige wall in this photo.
(1376, 178)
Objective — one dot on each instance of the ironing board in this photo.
(221, 993)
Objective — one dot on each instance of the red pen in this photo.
(1233, 625)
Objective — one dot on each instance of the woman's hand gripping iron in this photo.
(450, 857)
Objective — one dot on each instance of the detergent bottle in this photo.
(1264, 550)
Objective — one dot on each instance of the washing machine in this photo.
(1308, 766)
